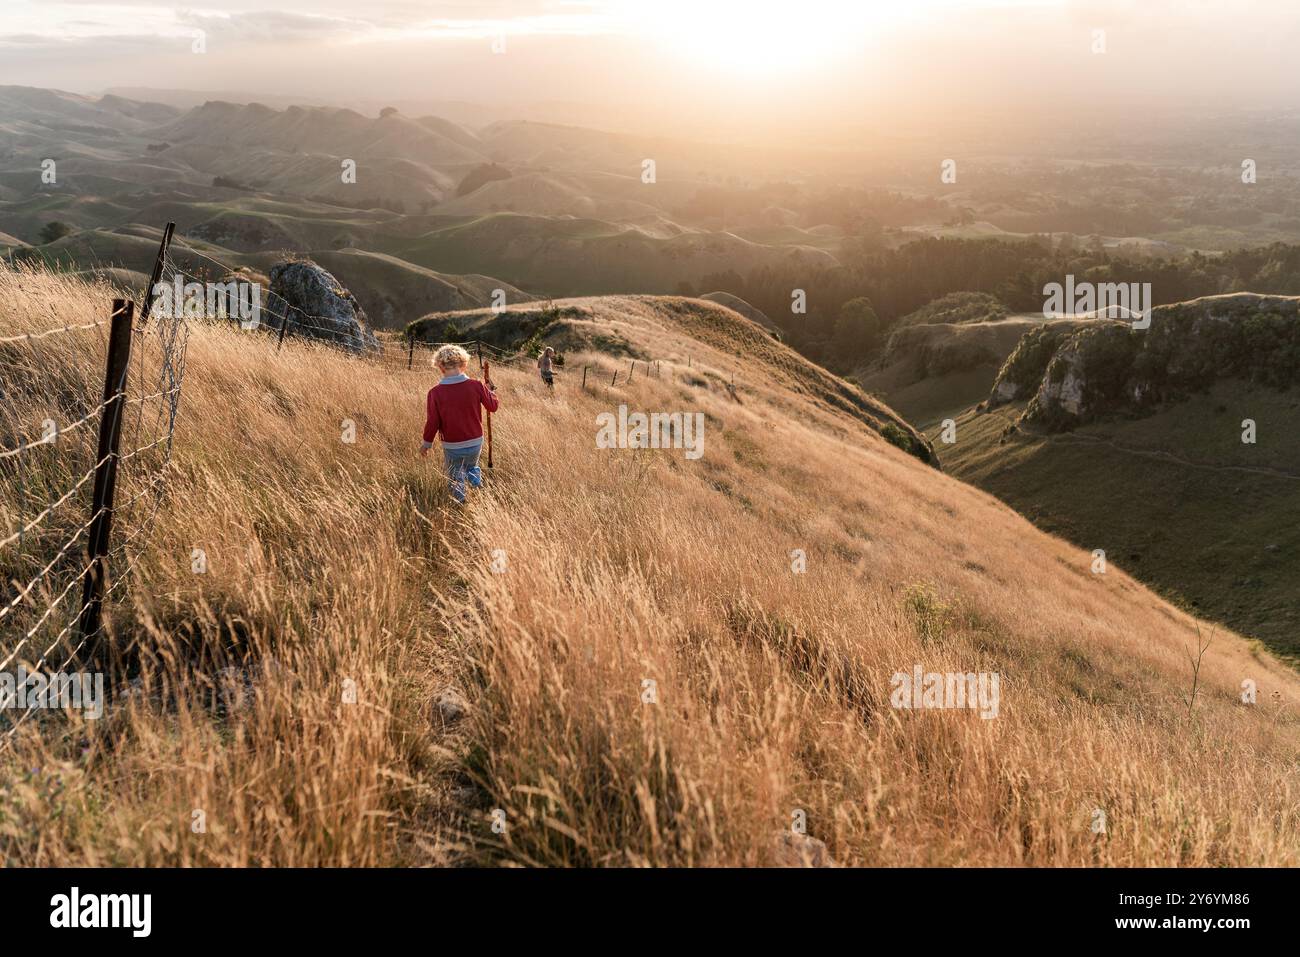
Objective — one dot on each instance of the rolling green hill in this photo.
(570, 255)
(391, 290)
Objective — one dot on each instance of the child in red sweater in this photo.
(453, 409)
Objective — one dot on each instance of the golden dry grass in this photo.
(331, 562)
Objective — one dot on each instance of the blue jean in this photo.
(462, 464)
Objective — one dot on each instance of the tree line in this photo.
(850, 309)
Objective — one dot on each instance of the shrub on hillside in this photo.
(896, 436)
(957, 307)
(931, 615)
(53, 232)
(1107, 353)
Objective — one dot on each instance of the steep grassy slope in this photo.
(720, 349)
(1174, 498)
(736, 304)
(573, 579)
(1132, 441)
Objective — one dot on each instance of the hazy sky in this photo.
(808, 60)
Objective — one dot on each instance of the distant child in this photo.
(544, 365)
(453, 409)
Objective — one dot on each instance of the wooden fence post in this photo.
(614, 381)
(410, 352)
(284, 324)
(584, 378)
(146, 307)
(110, 434)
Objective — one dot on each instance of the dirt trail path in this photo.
(1157, 454)
(1164, 456)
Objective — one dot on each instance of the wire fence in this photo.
(408, 354)
(71, 466)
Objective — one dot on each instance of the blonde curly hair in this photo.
(449, 356)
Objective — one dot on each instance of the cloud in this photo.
(948, 56)
(55, 22)
(279, 26)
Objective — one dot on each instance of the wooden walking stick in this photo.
(487, 380)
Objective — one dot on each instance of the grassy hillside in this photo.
(736, 304)
(1174, 498)
(719, 348)
(575, 577)
(549, 194)
(957, 308)
(1132, 441)
(392, 291)
(568, 255)
(27, 110)
(327, 131)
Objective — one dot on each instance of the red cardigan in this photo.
(453, 410)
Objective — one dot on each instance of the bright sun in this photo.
(758, 37)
